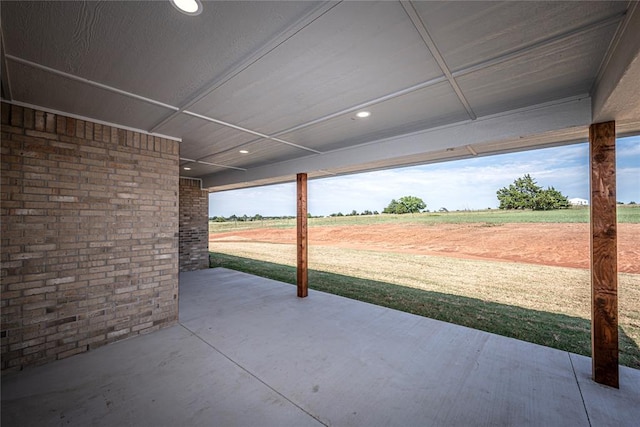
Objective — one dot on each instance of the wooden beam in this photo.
(604, 262)
(303, 275)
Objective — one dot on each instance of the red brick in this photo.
(40, 121)
(29, 118)
(17, 116)
(6, 113)
(193, 226)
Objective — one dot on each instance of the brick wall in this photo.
(194, 225)
(89, 235)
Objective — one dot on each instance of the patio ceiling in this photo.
(284, 80)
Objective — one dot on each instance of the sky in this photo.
(469, 184)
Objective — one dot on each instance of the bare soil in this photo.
(565, 245)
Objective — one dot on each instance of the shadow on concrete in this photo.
(555, 330)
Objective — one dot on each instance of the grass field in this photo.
(626, 214)
(537, 303)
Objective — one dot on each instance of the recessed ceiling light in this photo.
(186, 168)
(188, 7)
(363, 114)
(244, 152)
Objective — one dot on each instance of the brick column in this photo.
(194, 225)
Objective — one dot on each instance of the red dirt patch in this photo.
(565, 245)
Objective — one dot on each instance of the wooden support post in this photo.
(303, 276)
(604, 262)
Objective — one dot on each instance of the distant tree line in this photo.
(524, 193)
(355, 213)
(246, 218)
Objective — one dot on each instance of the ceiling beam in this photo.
(90, 83)
(616, 92)
(426, 37)
(549, 124)
(256, 56)
(348, 110)
(365, 104)
(249, 131)
(186, 161)
(557, 39)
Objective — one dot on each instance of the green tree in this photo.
(524, 193)
(406, 204)
(550, 199)
(519, 195)
(392, 207)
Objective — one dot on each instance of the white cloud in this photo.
(628, 147)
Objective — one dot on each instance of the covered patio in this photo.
(119, 118)
(247, 351)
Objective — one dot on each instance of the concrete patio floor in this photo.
(248, 352)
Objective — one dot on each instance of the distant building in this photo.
(576, 201)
